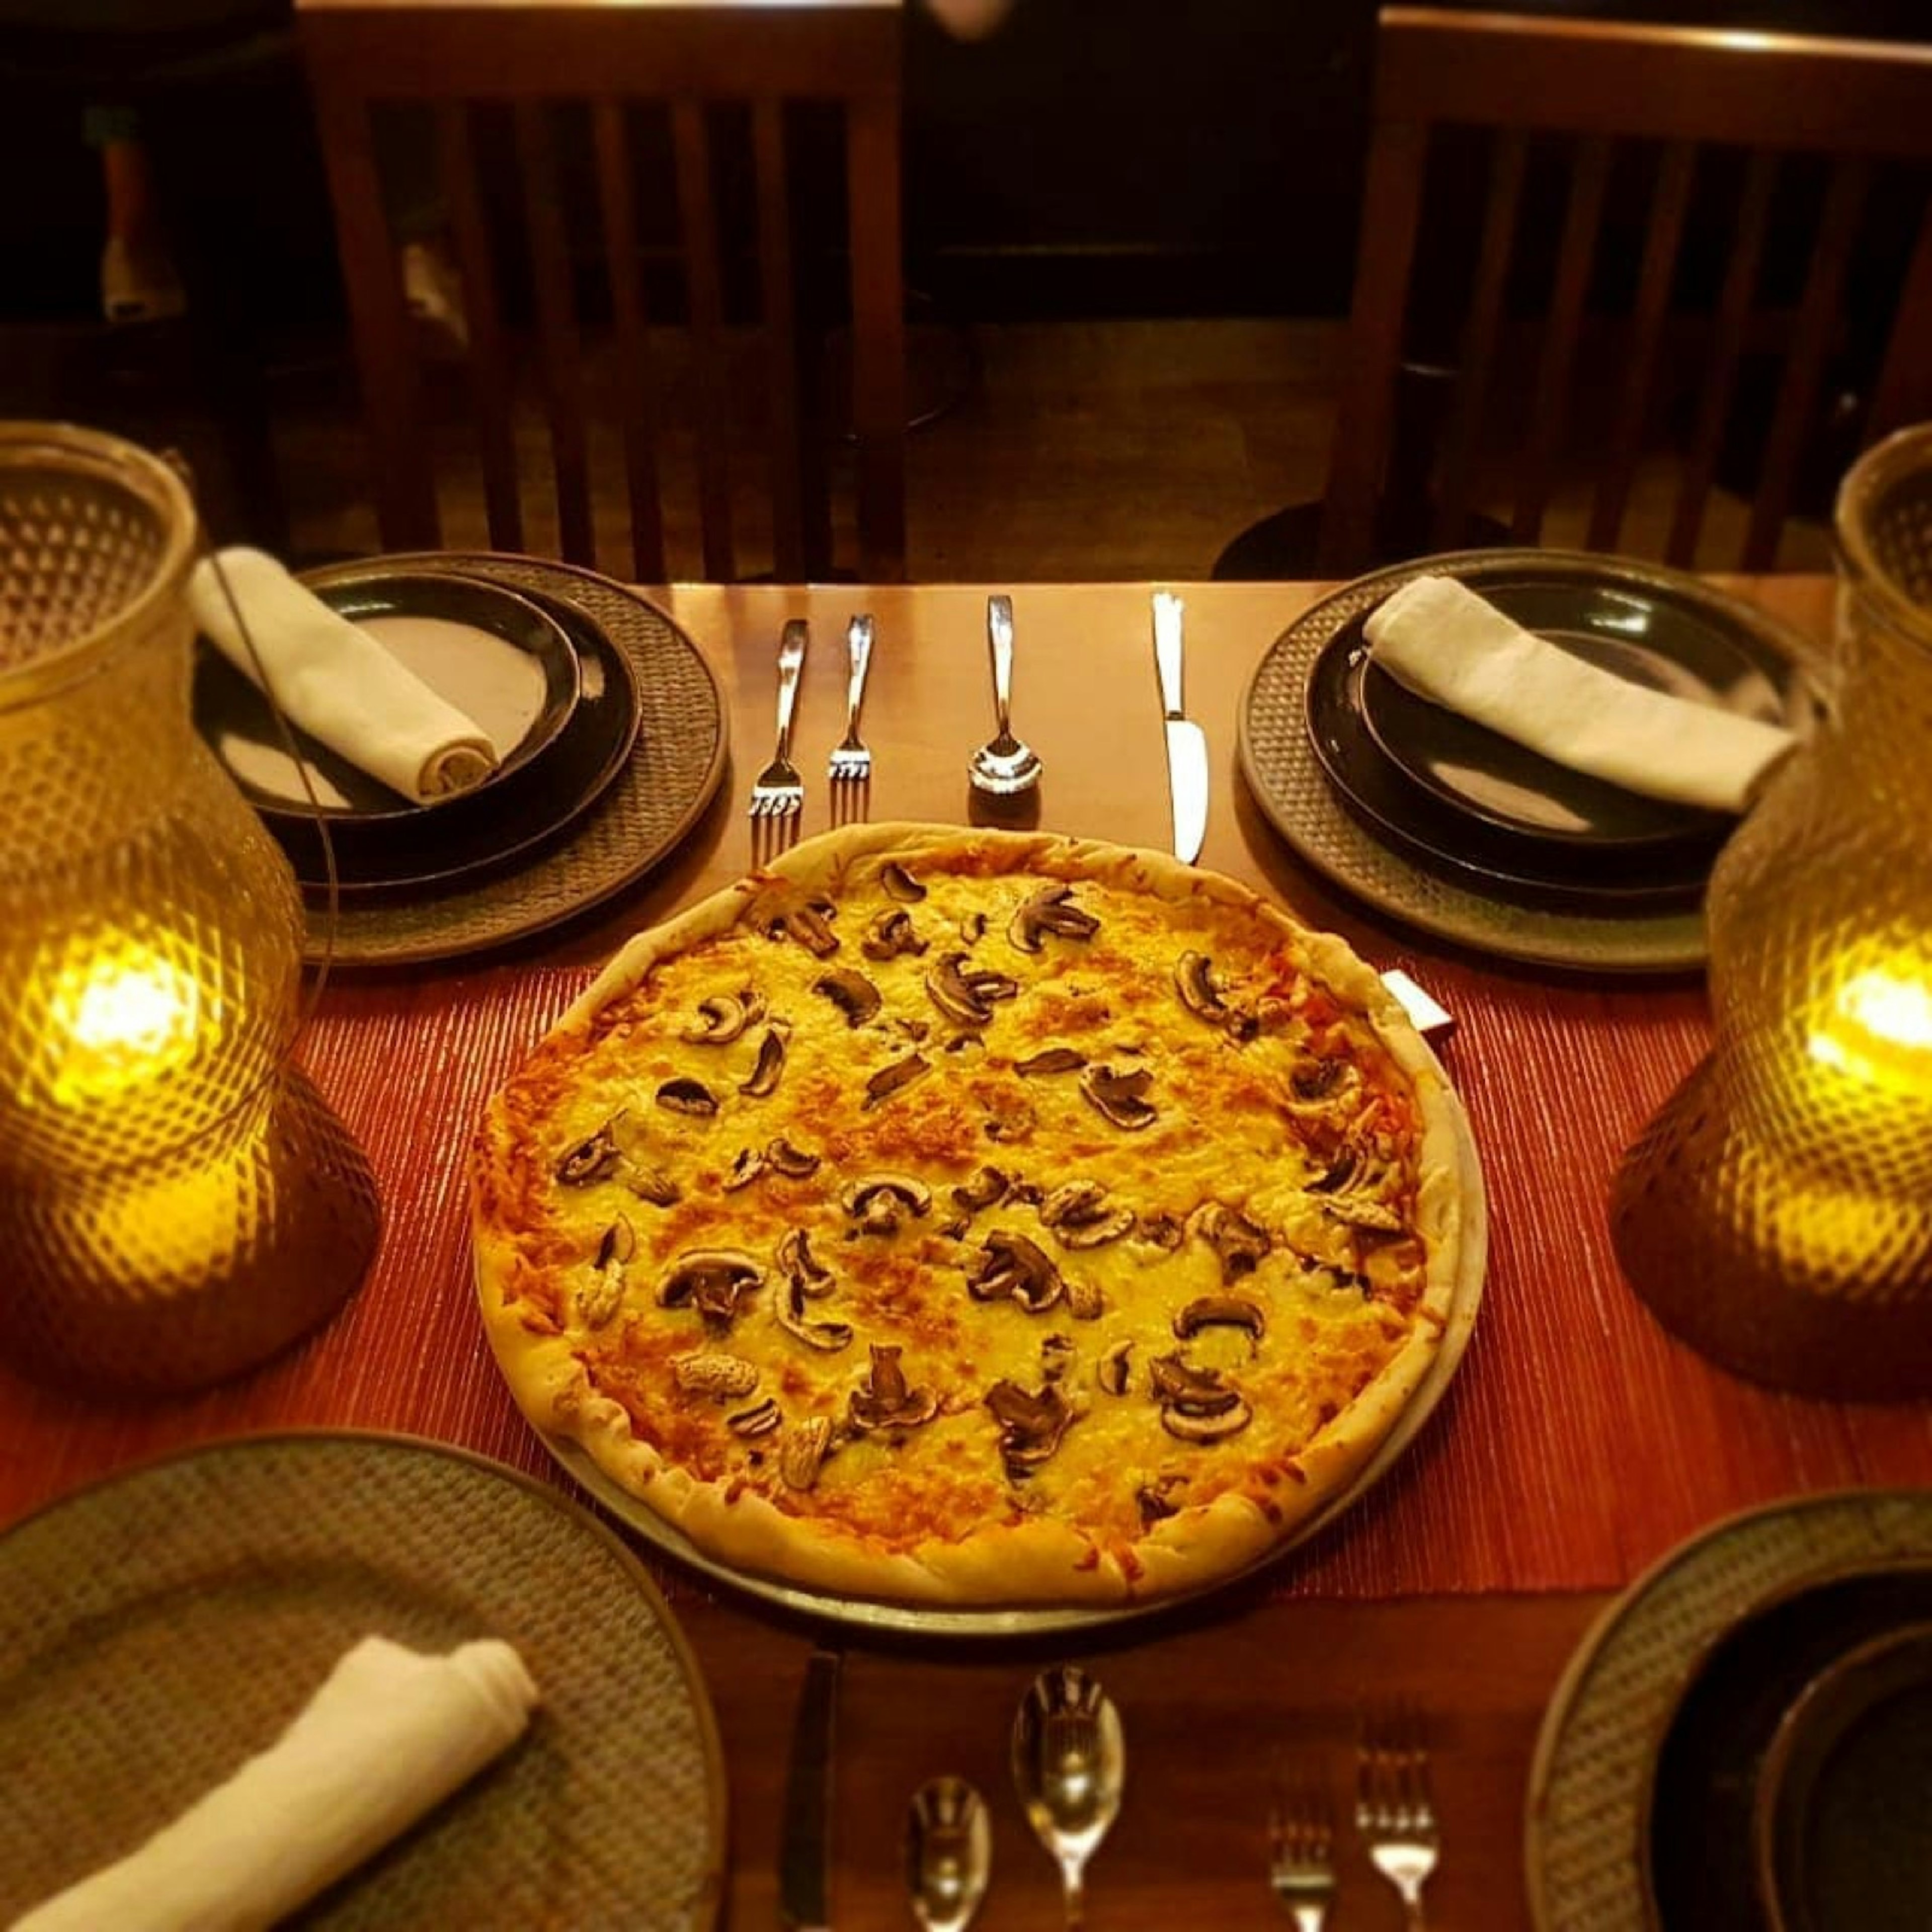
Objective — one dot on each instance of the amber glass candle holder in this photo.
(1777, 1212)
(176, 1202)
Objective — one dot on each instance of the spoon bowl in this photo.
(1003, 765)
(1070, 1768)
(949, 1854)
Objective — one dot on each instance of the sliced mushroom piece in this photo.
(1178, 1384)
(807, 1443)
(899, 883)
(828, 1337)
(887, 1401)
(763, 1078)
(1190, 1427)
(890, 933)
(1194, 981)
(1221, 1311)
(649, 1184)
(801, 1265)
(952, 991)
(808, 925)
(1165, 1231)
(1359, 1209)
(592, 1160)
(881, 1203)
(1009, 1118)
(599, 1298)
(1048, 910)
(851, 992)
(1117, 1096)
(759, 1420)
(1074, 1201)
(1057, 1353)
(1053, 1059)
(1238, 1242)
(746, 1165)
(1114, 1367)
(708, 1372)
(794, 1163)
(892, 1079)
(1031, 1424)
(981, 1189)
(711, 1280)
(688, 1096)
(972, 927)
(1084, 1302)
(1009, 1267)
(721, 1018)
(1153, 1507)
(1081, 1235)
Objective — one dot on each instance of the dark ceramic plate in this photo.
(1844, 1813)
(1459, 796)
(492, 652)
(1710, 1780)
(516, 813)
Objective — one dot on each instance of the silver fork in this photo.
(1301, 1854)
(850, 758)
(778, 792)
(1394, 1811)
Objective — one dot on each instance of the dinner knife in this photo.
(1186, 742)
(804, 1845)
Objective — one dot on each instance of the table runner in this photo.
(1577, 1444)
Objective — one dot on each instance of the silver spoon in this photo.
(1069, 1764)
(949, 1854)
(1004, 766)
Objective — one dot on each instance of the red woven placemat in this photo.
(1577, 1444)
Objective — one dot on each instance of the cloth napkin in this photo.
(336, 681)
(1436, 637)
(390, 1733)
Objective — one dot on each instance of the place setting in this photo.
(476, 747)
(1501, 747)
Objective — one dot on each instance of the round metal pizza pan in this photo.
(999, 1620)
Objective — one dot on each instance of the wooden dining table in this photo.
(1577, 1444)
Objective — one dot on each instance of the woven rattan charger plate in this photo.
(1282, 771)
(158, 1628)
(653, 802)
(1589, 1783)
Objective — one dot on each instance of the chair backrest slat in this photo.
(1904, 394)
(563, 353)
(1663, 237)
(1391, 206)
(691, 141)
(1508, 153)
(776, 285)
(636, 388)
(1811, 338)
(402, 484)
(1582, 219)
(489, 363)
(1720, 374)
(878, 333)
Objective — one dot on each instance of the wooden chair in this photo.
(683, 61)
(1702, 105)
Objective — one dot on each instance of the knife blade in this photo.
(805, 1844)
(1186, 742)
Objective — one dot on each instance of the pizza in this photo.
(948, 1216)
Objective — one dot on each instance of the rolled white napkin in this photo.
(336, 681)
(1436, 637)
(390, 1733)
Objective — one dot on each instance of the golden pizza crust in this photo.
(1016, 1556)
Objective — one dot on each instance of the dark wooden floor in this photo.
(1065, 450)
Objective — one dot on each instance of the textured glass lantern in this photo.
(1778, 1212)
(176, 1202)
